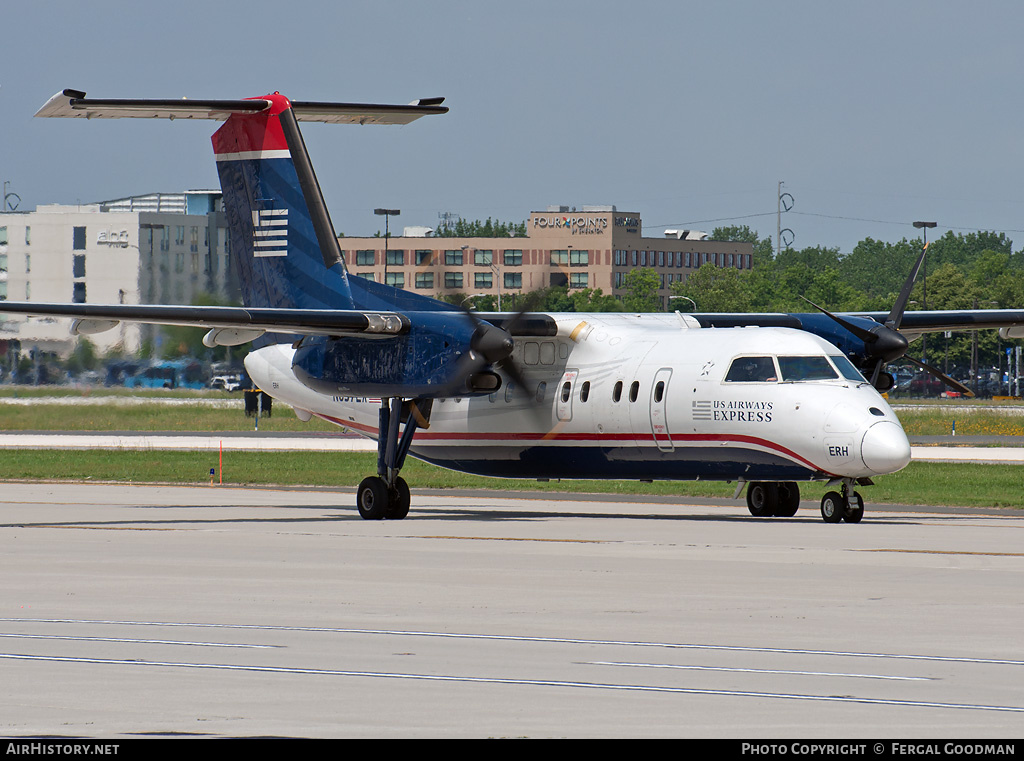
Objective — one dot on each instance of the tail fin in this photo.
(282, 239)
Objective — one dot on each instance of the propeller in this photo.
(884, 343)
(494, 345)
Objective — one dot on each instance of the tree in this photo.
(642, 284)
(715, 289)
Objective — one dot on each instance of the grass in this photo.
(967, 485)
(921, 483)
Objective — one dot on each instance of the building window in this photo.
(452, 279)
(453, 258)
(661, 258)
(179, 262)
(396, 256)
(3, 235)
(28, 236)
(78, 266)
(578, 280)
(3, 263)
(366, 275)
(179, 235)
(3, 290)
(395, 279)
(78, 238)
(483, 258)
(483, 280)
(28, 263)
(424, 258)
(78, 293)
(634, 258)
(513, 258)
(364, 258)
(193, 244)
(513, 279)
(424, 279)
(165, 239)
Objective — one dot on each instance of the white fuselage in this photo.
(641, 396)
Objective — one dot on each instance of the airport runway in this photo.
(131, 611)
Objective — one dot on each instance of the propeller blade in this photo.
(895, 318)
(862, 333)
(941, 376)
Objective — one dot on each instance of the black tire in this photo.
(372, 498)
(789, 499)
(762, 498)
(398, 506)
(855, 510)
(833, 507)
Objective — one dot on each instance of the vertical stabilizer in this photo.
(282, 240)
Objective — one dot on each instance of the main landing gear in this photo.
(766, 499)
(386, 495)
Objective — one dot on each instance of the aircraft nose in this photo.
(885, 448)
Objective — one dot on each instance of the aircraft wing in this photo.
(74, 104)
(240, 323)
(914, 323)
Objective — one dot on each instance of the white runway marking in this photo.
(530, 682)
(553, 640)
(758, 671)
(137, 641)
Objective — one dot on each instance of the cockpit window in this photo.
(752, 370)
(846, 368)
(806, 369)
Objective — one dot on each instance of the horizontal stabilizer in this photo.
(74, 104)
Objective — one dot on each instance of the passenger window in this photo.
(563, 351)
(634, 391)
(541, 390)
(508, 391)
(585, 391)
(752, 370)
(531, 353)
(617, 391)
(659, 391)
(547, 353)
(566, 391)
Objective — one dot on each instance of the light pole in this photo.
(387, 214)
(924, 282)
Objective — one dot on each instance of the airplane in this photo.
(762, 400)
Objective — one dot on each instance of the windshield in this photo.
(752, 370)
(847, 369)
(806, 369)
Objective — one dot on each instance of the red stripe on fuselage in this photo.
(609, 438)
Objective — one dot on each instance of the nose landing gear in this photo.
(845, 506)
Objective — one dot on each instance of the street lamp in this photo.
(924, 282)
(387, 214)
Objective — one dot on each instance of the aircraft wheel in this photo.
(789, 499)
(372, 498)
(762, 498)
(855, 510)
(399, 499)
(833, 507)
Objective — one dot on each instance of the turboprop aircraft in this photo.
(763, 400)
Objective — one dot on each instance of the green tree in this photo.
(713, 289)
(641, 285)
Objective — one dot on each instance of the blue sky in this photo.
(874, 114)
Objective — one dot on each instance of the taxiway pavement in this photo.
(132, 610)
